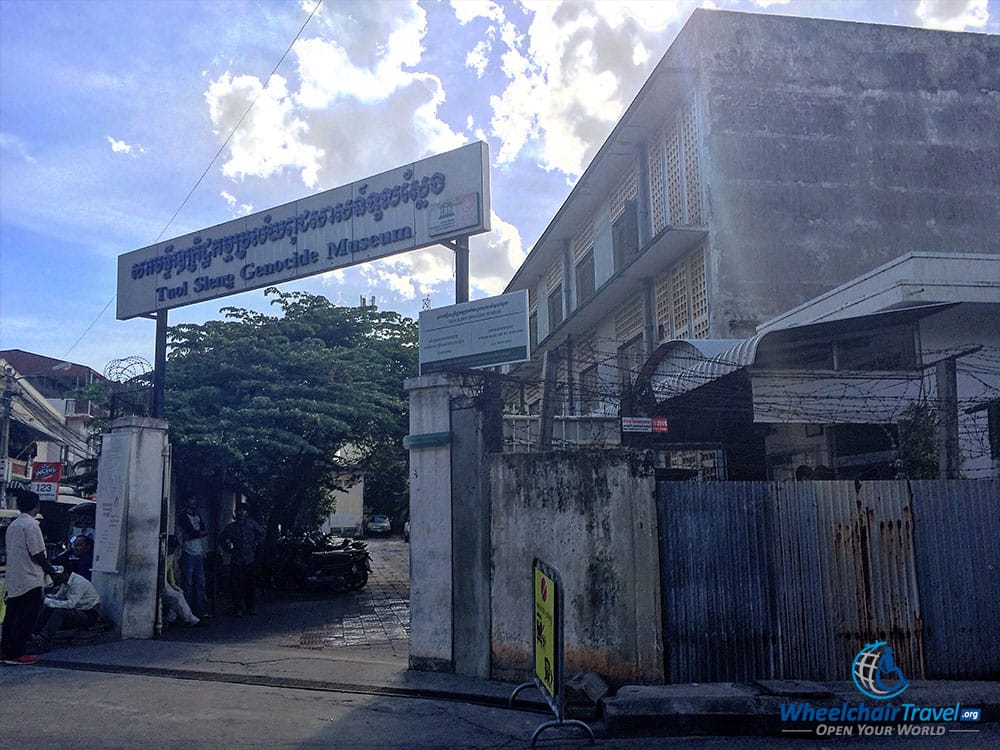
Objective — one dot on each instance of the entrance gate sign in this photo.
(427, 202)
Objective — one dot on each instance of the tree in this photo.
(278, 407)
(917, 456)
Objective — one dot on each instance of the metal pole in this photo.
(461, 248)
(160, 366)
(8, 396)
(947, 385)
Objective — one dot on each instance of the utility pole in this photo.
(8, 400)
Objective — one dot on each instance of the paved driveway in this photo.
(375, 618)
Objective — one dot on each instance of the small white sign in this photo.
(484, 333)
(637, 424)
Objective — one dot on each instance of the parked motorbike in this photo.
(320, 562)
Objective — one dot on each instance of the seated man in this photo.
(74, 605)
(83, 548)
(175, 606)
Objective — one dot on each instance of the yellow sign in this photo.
(545, 631)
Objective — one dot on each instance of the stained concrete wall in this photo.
(829, 148)
(591, 514)
(131, 488)
(431, 586)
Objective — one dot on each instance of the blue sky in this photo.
(111, 112)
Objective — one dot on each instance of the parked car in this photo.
(379, 525)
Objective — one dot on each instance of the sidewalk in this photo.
(218, 653)
(359, 642)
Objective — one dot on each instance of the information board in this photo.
(483, 333)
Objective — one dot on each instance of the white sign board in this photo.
(109, 517)
(416, 205)
(483, 333)
(645, 424)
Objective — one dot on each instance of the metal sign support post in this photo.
(548, 648)
(460, 246)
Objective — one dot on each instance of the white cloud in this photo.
(469, 10)
(121, 147)
(18, 146)
(769, 3)
(244, 209)
(571, 77)
(271, 138)
(479, 57)
(953, 15)
(355, 105)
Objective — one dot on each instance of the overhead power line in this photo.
(214, 158)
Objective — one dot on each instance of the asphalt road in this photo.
(42, 707)
(52, 707)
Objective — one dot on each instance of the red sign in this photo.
(45, 476)
(660, 424)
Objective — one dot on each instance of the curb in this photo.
(726, 709)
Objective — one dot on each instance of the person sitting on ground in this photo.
(75, 605)
(175, 606)
(83, 547)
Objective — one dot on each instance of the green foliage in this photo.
(917, 456)
(84, 473)
(277, 407)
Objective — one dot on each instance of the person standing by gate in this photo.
(242, 539)
(193, 532)
(27, 567)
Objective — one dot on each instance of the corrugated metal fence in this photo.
(789, 580)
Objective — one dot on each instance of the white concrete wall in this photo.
(131, 488)
(349, 510)
(591, 514)
(431, 588)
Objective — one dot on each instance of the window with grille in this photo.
(679, 291)
(590, 396)
(657, 197)
(681, 296)
(664, 302)
(628, 320)
(698, 292)
(626, 191)
(675, 200)
(692, 174)
(554, 275)
(625, 235)
(675, 173)
(630, 359)
(555, 307)
(585, 278)
(583, 242)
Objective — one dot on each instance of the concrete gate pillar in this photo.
(429, 443)
(131, 491)
(452, 431)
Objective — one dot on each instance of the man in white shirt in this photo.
(75, 605)
(27, 567)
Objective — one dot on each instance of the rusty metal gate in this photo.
(788, 580)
